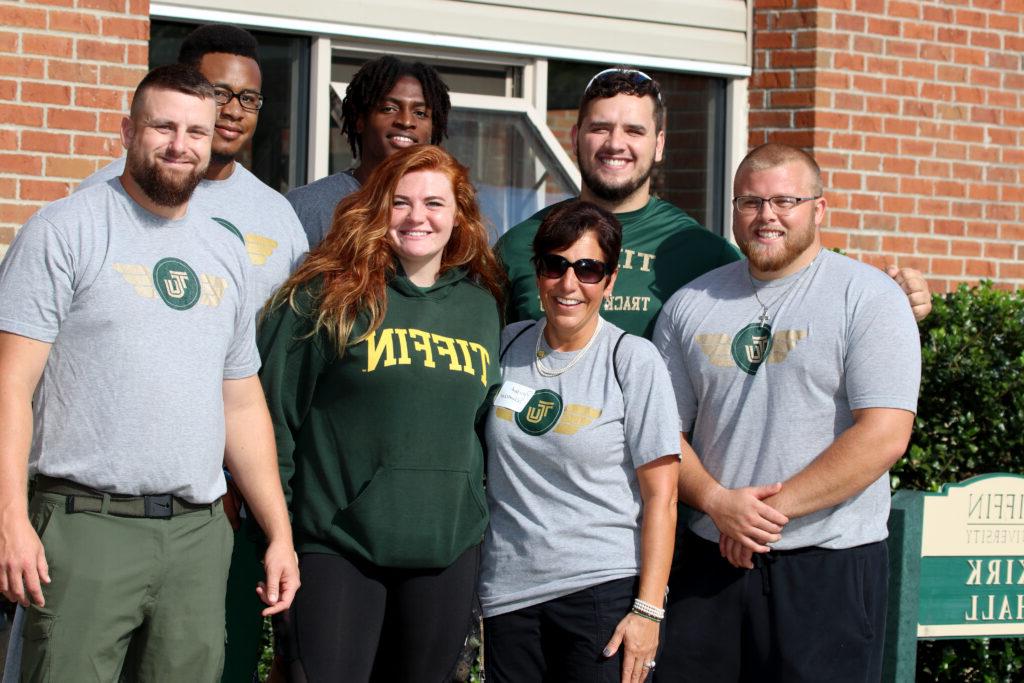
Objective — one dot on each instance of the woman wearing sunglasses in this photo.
(583, 442)
(378, 356)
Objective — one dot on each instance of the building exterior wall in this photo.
(915, 111)
(67, 70)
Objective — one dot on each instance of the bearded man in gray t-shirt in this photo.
(796, 375)
(127, 376)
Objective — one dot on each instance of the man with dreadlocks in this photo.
(389, 105)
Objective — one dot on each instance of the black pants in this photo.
(356, 622)
(559, 640)
(802, 615)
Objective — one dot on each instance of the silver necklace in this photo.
(763, 319)
(538, 354)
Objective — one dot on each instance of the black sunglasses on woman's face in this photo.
(588, 271)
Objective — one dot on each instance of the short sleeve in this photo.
(668, 340)
(37, 281)
(883, 352)
(651, 423)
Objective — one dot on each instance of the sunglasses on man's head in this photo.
(634, 77)
(588, 271)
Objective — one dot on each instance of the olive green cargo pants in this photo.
(135, 598)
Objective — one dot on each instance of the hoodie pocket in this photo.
(409, 517)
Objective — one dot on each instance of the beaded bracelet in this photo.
(649, 611)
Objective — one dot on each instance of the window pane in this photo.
(691, 174)
(277, 152)
(513, 172)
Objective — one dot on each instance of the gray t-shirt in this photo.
(843, 338)
(315, 203)
(257, 213)
(561, 472)
(146, 318)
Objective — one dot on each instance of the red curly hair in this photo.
(356, 258)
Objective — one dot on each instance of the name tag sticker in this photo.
(513, 396)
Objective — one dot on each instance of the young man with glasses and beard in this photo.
(127, 378)
(796, 376)
(618, 138)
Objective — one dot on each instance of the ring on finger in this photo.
(649, 665)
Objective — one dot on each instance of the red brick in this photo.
(899, 8)
(72, 71)
(1004, 22)
(878, 183)
(950, 151)
(8, 188)
(99, 98)
(139, 56)
(71, 119)
(969, 95)
(137, 29)
(921, 186)
(21, 115)
(965, 248)
(996, 98)
(1012, 233)
(99, 50)
(74, 22)
(864, 242)
(965, 172)
(918, 148)
(928, 245)
(999, 250)
(950, 227)
(792, 98)
(8, 139)
(834, 240)
(947, 266)
(21, 67)
(792, 59)
(844, 181)
(946, 188)
(915, 224)
(985, 115)
(942, 15)
(983, 192)
(918, 109)
(936, 91)
(901, 48)
(897, 126)
(933, 207)
(922, 71)
(44, 190)
(769, 119)
(934, 169)
(853, 23)
(772, 39)
(865, 202)
(861, 162)
(138, 7)
(937, 53)
(104, 5)
(40, 141)
(949, 34)
(1004, 174)
(892, 244)
(867, 44)
(116, 75)
(985, 78)
(8, 41)
(8, 89)
(110, 122)
(69, 167)
(1000, 212)
(53, 46)
(1002, 60)
(966, 209)
(96, 145)
(844, 219)
(849, 101)
(979, 268)
(46, 93)
(899, 165)
(969, 18)
(985, 39)
(17, 213)
(883, 27)
(12, 15)
(895, 204)
(1013, 271)
(966, 55)
(21, 164)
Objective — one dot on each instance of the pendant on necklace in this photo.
(541, 354)
(763, 318)
(751, 346)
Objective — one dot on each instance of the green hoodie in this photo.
(377, 449)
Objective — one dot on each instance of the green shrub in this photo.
(970, 421)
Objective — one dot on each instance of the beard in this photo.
(613, 193)
(161, 186)
(769, 258)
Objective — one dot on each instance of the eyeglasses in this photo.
(635, 77)
(588, 271)
(781, 205)
(249, 99)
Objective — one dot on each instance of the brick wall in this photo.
(67, 69)
(915, 111)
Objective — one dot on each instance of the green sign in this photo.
(972, 559)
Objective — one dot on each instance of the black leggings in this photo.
(354, 621)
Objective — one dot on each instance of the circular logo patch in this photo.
(750, 347)
(541, 413)
(176, 283)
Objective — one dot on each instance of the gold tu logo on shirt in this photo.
(534, 414)
(176, 283)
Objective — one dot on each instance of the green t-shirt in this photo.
(662, 249)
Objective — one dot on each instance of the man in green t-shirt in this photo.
(618, 138)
